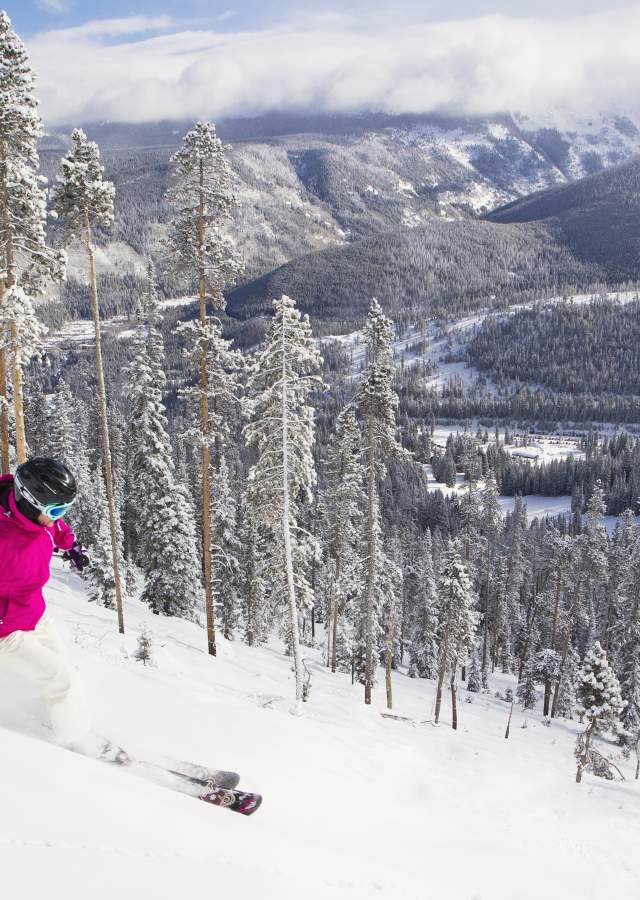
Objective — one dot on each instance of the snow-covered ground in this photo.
(356, 805)
(538, 506)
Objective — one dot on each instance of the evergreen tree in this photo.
(165, 526)
(255, 612)
(281, 433)
(83, 199)
(492, 526)
(459, 620)
(526, 690)
(144, 650)
(101, 574)
(26, 263)
(344, 509)
(376, 403)
(423, 627)
(599, 695)
(474, 680)
(202, 200)
(225, 550)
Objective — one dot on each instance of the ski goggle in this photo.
(51, 510)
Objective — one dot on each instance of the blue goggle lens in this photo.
(57, 511)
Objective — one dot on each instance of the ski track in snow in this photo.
(356, 805)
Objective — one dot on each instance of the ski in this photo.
(221, 777)
(218, 787)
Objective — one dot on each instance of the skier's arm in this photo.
(65, 539)
(63, 536)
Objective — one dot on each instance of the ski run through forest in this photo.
(265, 593)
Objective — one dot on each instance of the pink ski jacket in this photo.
(26, 549)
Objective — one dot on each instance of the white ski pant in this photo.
(40, 657)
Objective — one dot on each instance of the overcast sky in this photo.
(148, 60)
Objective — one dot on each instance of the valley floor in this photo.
(356, 805)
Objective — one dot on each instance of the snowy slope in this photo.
(356, 806)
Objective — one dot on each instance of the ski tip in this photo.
(248, 807)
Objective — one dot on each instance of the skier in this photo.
(32, 504)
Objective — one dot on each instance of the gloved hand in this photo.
(78, 556)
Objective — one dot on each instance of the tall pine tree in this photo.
(281, 434)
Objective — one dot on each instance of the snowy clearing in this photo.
(356, 805)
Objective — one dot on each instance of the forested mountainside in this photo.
(597, 217)
(581, 348)
(308, 183)
(451, 267)
(443, 269)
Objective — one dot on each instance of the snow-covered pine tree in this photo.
(628, 645)
(144, 650)
(474, 679)
(459, 620)
(620, 585)
(376, 403)
(344, 502)
(492, 528)
(83, 200)
(25, 260)
(526, 690)
(281, 433)
(423, 626)
(63, 434)
(36, 419)
(599, 694)
(579, 572)
(202, 200)
(225, 550)
(164, 516)
(595, 557)
(256, 616)
(508, 607)
(567, 698)
(100, 572)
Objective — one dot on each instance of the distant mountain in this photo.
(572, 236)
(306, 183)
(597, 218)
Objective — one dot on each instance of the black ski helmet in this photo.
(45, 481)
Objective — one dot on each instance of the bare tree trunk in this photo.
(204, 430)
(389, 661)
(286, 528)
(442, 671)
(334, 623)
(506, 734)
(5, 462)
(18, 396)
(4, 400)
(104, 427)
(454, 699)
(402, 619)
(496, 632)
(371, 563)
(583, 761)
(16, 370)
(565, 653)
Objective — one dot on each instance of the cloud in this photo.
(475, 66)
(54, 6)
